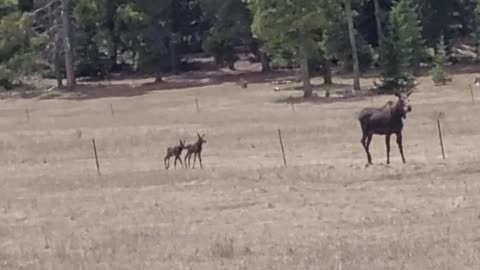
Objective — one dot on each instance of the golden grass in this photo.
(244, 210)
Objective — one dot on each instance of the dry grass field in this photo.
(244, 210)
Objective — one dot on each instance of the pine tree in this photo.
(290, 26)
(412, 33)
(439, 75)
(476, 31)
(402, 48)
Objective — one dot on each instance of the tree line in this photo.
(95, 38)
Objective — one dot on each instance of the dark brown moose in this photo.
(386, 120)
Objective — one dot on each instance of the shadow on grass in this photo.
(335, 87)
(126, 87)
(463, 69)
(322, 100)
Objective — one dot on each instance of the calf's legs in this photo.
(194, 159)
(200, 159)
(180, 160)
(166, 160)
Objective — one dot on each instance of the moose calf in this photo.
(196, 150)
(175, 151)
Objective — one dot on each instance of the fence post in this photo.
(440, 137)
(111, 110)
(281, 145)
(198, 107)
(472, 94)
(96, 156)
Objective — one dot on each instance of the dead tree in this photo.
(53, 18)
(67, 34)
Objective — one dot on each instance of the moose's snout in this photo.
(409, 108)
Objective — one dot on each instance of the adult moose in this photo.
(386, 120)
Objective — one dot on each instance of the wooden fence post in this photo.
(111, 110)
(440, 137)
(472, 94)
(96, 156)
(281, 145)
(198, 107)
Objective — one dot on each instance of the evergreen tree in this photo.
(230, 27)
(401, 50)
(291, 27)
(476, 31)
(19, 48)
(439, 75)
(411, 32)
(435, 19)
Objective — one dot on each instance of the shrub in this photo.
(439, 75)
(5, 78)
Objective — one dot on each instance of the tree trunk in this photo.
(173, 54)
(327, 72)
(231, 65)
(260, 55)
(265, 62)
(57, 42)
(110, 13)
(307, 87)
(58, 61)
(68, 45)
(378, 19)
(353, 44)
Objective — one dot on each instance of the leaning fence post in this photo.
(196, 103)
(96, 156)
(281, 145)
(292, 104)
(438, 117)
(472, 94)
(111, 110)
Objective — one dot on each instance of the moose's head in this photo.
(404, 102)
(201, 138)
(182, 144)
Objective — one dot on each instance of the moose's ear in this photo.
(199, 135)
